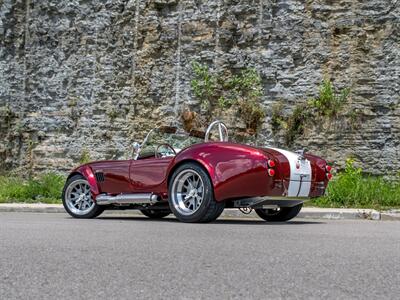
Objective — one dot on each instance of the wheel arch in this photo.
(87, 173)
(73, 174)
(207, 168)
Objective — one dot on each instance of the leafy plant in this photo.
(85, 157)
(252, 114)
(328, 104)
(46, 188)
(278, 119)
(6, 115)
(203, 85)
(112, 114)
(222, 90)
(351, 188)
(296, 122)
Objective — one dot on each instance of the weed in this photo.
(252, 115)
(278, 119)
(6, 115)
(296, 122)
(222, 90)
(72, 102)
(203, 85)
(46, 188)
(328, 104)
(352, 188)
(85, 157)
(112, 114)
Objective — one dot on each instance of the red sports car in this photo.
(196, 178)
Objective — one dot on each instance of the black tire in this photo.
(284, 214)
(96, 211)
(209, 209)
(155, 213)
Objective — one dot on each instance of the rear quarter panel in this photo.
(236, 171)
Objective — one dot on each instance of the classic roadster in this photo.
(195, 178)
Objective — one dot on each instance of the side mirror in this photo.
(135, 150)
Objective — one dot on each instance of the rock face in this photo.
(92, 76)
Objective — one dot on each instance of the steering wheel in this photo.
(223, 131)
(170, 151)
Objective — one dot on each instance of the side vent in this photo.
(99, 176)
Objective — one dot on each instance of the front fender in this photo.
(87, 172)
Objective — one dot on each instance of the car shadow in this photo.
(222, 221)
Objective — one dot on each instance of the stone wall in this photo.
(92, 76)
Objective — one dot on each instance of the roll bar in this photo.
(222, 130)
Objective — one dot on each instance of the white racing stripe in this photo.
(300, 178)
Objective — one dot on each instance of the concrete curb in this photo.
(306, 212)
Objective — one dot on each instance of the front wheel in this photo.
(191, 195)
(281, 214)
(78, 200)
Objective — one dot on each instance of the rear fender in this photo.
(234, 170)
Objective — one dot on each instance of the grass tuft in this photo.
(46, 189)
(354, 190)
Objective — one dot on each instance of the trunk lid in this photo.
(297, 170)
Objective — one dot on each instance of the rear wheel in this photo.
(155, 213)
(191, 195)
(78, 200)
(281, 214)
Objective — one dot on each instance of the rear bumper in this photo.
(299, 189)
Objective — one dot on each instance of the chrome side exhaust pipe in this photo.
(147, 198)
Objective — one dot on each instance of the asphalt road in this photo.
(52, 256)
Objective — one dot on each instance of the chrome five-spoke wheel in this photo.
(187, 192)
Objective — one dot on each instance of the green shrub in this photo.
(85, 157)
(46, 188)
(296, 123)
(204, 85)
(223, 89)
(353, 189)
(329, 104)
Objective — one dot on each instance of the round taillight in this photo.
(271, 163)
(328, 168)
(329, 176)
(271, 172)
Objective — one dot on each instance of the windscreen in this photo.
(171, 136)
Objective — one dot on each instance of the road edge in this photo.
(306, 212)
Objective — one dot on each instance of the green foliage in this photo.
(204, 85)
(278, 119)
(327, 104)
(352, 189)
(6, 115)
(222, 90)
(296, 123)
(85, 157)
(46, 188)
(112, 114)
(72, 102)
(252, 114)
